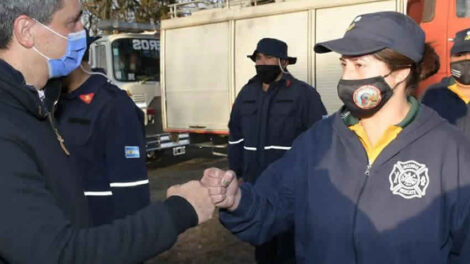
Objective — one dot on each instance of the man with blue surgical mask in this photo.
(45, 217)
(76, 46)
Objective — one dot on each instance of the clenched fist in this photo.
(197, 195)
(223, 188)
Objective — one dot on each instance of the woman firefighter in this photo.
(383, 180)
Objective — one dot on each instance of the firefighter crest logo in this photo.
(467, 37)
(409, 179)
(367, 97)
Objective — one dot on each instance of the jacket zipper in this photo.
(58, 136)
(367, 174)
(56, 131)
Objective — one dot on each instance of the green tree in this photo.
(141, 11)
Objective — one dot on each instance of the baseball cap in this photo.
(461, 42)
(369, 33)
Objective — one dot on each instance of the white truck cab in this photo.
(130, 59)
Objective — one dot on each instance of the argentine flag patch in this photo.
(132, 152)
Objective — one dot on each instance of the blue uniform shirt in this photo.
(104, 132)
(448, 104)
(263, 125)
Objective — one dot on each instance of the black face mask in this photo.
(364, 97)
(461, 71)
(267, 73)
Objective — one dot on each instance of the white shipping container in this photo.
(204, 63)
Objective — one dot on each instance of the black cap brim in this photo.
(349, 47)
(457, 49)
(291, 60)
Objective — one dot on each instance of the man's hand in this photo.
(197, 195)
(223, 188)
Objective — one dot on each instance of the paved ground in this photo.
(209, 243)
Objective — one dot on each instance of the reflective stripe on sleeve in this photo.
(236, 142)
(128, 184)
(107, 193)
(249, 148)
(277, 147)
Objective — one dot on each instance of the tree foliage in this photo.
(141, 11)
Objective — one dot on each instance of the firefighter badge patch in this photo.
(87, 98)
(367, 97)
(409, 179)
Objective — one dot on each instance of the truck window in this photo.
(136, 60)
(421, 10)
(428, 10)
(414, 9)
(463, 8)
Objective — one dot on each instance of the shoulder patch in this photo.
(132, 152)
(409, 179)
(87, 98)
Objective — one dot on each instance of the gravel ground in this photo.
(209, 243)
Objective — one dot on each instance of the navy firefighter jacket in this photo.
(263, 125)
(411, 205)
(103, 129)
(444, 98)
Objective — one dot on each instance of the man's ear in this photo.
(284, 63)
(22, 29)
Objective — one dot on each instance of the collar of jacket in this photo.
(444, 83)
(350, 120)
(17, 93)
(91, 85)
(285, 79)
(451, 81)
(452, 86)
(425, 120)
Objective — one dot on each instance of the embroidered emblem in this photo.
(87, 98)
(367, 97)
(468, 36)
(351, 27)
(288, 83)
(132, 152)
(409, 179)
(353, 24)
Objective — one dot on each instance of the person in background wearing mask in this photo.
(104, 131)
(451, 96)
(270, 111)
(45, 216)
(384, 180)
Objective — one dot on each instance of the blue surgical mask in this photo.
(76, 47)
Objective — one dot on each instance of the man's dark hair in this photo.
(41, 10)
